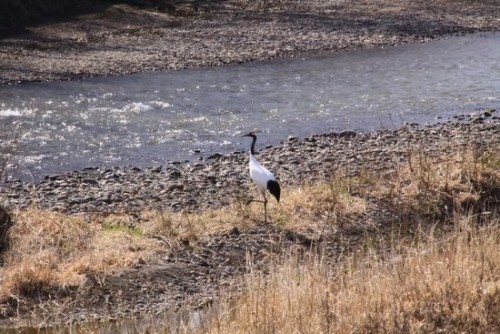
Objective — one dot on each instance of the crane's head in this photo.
(251, 134)
(254, 139)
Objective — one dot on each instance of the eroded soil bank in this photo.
(123, 39)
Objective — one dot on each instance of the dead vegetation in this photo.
(51, 252)
(450, 286)
(435, 281)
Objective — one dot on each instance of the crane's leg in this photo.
(265, 207)
(265, 211)
(263, 202)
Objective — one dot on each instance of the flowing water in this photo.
(147, 119)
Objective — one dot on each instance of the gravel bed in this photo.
(222, 179)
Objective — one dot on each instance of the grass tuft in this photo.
(53, 250)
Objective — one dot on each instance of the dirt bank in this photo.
(123, 39)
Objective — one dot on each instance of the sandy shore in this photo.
(122, 39)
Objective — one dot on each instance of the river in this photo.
(149, 118)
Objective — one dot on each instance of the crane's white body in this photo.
(259, 174)
(262, 177)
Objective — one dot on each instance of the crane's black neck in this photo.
(252, 148)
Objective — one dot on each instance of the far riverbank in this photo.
(122, 39)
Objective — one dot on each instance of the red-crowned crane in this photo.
(262, 177)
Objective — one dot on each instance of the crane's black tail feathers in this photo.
(274, 188)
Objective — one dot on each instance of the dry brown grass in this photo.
(427, 189)
(452, 286)
(434, 284)
(50, 250)
(449, 184)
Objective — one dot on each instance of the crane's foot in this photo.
(255, 200)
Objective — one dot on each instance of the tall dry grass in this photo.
(450, 286)
(436, 282)
(50, 252)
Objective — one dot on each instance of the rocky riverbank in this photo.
(123, 39)
(223, 179)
